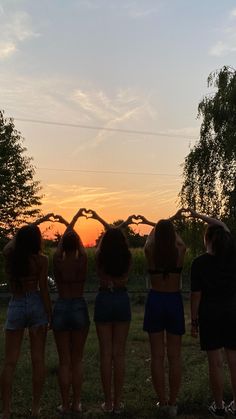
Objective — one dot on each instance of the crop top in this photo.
(176, 270)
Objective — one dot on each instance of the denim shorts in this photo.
(26, 311)
(70, 314)
(164, 311)
(112, 306)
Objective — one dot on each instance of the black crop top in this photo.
(177, 270)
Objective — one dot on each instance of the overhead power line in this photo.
(113, 172)
(126, 131)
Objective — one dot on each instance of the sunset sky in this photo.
(131, 65)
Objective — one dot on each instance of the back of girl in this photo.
(70, 321)
(213, 308)
(164, 314)
(112, 314)
(29, 307)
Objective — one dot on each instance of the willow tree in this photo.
(19, 192)
(209, 183)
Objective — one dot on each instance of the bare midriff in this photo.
(23, 285)
(69, 277)
(70, 289)
(171, 282)
(108, 281)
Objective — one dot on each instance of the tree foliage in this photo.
(19, 193)
(209, 173)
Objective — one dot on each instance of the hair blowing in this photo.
(165, 250)
(114, 255)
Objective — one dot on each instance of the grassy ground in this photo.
(138, 392)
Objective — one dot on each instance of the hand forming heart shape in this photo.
(88, 213)
(136, 219)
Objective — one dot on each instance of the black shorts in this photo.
(112, 306)
(70, 314)
(164, 311)
(217, 327)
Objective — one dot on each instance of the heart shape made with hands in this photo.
(136, 219)
(88, 213)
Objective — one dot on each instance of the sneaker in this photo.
(106, 409)
(120, 409)
(231, 408)
(172, 410)
(163, 409)
(216, 411)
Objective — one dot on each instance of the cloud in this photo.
(6, 49)
(227, 45)
(112, 112)
(66, 197)
(15, 28)
(233, 13)
(133, 9)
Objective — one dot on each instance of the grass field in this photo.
(138, 392)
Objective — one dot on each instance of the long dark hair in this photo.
(222, 243)
(165, 250)
(114, 255)
(28, 242)
(70, 242)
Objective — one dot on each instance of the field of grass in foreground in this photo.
(138, 392)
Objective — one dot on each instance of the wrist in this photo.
(194, 322)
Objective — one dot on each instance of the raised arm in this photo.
(144, 220)
(95, 216)
(42, 219)
(208, 220)
(70, 227)
(177, 215)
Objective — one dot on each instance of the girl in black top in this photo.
(213, 307)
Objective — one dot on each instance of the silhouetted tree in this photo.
(210, 168)
(19, 192)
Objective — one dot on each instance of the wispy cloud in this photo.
(6, 49)
(227, 44)
(139, 10)
(69, 197)
(15, 28)
(112, 112)
(133, 9)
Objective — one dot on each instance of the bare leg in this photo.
(157, 343)
(63, 342)
(120, 333)
(78, 339)
(215, 363)
(174, 360)
(37, 346)
(104, 332)
(231, 359)
(13, 339)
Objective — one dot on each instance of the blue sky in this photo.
(138, 65)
